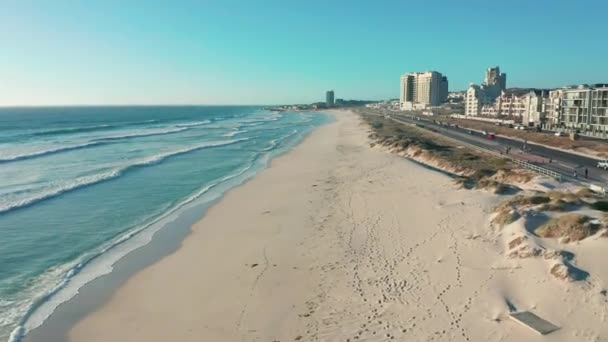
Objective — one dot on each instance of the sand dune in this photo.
(337, 241)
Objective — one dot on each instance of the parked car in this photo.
(470, 132)
(560, 134)
(510, 125)
(491, 136)
(484, 132)
(603, 164)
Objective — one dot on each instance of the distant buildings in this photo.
(479, 100)
(495, 78)
(329, 98)
(456, 97)
(584, 107)
(388, 105)
(420, 90)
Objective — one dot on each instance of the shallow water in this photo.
(75, 183)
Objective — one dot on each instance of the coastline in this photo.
(273, 271)
(136, 251)
(337, 240)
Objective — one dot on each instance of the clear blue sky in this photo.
(264, 52)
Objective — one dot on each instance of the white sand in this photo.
(350, 244)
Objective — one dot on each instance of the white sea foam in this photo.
(34, 154)
(7, 204)
(233, 133)
(192, 124)
(260, 121)
(146, 133)
(274, 142)
(95, 142)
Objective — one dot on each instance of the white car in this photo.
(603, 164)
(560, 134)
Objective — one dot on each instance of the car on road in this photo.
(491, 136)
(484, 133)
(560, 134)
(603, 164)
(470, 132)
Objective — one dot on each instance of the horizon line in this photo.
(134, 105)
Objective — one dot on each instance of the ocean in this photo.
(80, 187)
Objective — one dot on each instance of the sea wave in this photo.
(89, 180)
(73, 130)
(95, 142)
(275, 142)
(261, 121)
(40, 153)
(37, 313)
(233, 133)
(144, 134)
(256, 123)
(192, 124)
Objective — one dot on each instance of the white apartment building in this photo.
(533, 114)
(479, 100)
(420, 90)
(583, 107)
(524, 105)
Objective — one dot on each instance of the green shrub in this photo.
(600, 205)
(377, 124)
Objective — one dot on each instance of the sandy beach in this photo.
(338, 241)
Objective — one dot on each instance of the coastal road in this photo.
(553, 159)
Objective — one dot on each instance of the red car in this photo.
(491, 136)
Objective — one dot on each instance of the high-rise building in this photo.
(423, 89)
(479, 100)
(444, 89)
(495, 78)
(329, 98)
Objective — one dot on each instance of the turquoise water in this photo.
(77, 184)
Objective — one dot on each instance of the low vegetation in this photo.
(505, 217)
(569, 227)
(475, 170)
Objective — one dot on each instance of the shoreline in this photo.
(164, 236)
(265, 283)
(338, 240)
